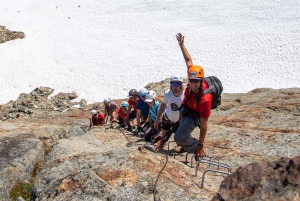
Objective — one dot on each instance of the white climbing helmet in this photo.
(143, 92)
(106, 100)
(176, 78)
(151, 95)
(94, 112)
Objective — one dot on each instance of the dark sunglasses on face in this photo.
(195, 80)
(175, 84)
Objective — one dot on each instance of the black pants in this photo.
(132, 115)
(150, 134)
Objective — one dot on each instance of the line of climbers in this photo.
(180, 111)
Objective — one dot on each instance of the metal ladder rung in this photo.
(194, 156)
(223, 165)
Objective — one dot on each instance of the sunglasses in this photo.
(195, 80)
(175, 84)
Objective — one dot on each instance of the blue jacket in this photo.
(154, 110)
(144, 107)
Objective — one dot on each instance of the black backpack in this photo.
(215, 88)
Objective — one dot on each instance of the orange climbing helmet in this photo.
(195, 72)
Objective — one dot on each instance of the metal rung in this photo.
(211, 170)
(194, 156)
(210, 159)
(218, 164)
(169, 145)
(191, 158)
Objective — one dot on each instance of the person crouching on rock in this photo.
(109, 110)
(132, 101)
(121, 114)
(97, 118)
(154, 108)
(169, 110)
(196, 108)
(142, 112)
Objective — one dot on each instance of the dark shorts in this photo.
(150, 134)
(121, 121)
(166, 124)
(132, 115)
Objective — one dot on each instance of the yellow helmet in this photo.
(195, 72)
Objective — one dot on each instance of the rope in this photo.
(128, 142)
(154, 189)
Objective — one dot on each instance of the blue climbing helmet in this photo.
(143, 92)
(124, 104)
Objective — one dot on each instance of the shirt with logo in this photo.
(173, 105)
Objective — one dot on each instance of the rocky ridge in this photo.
(248, 132)
(7, 35)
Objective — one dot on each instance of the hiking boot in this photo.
(179, 149)
(145, 129)
(129, 128)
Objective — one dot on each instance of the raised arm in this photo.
(186, 55)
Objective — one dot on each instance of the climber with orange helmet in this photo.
(195, 108)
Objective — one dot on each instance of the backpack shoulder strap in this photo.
(185, 102)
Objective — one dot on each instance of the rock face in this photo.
(18, 155)
(279, 180)
(95, 163)
(99, 166)
(37, 102)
